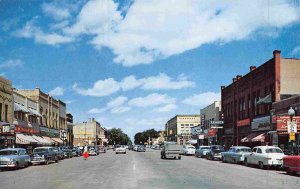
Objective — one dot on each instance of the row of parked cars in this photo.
(262, 156)
(18, 157)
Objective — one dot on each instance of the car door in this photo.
(251, 157)
(258, 156)
(21, 158)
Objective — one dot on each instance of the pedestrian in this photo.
(85, 153)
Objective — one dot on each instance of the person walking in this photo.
(85, 153)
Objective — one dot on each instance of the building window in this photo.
(0, 111)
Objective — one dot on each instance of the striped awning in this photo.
(34, 112)
(24, 139)
(58, 140)
(49, 139)
(41, 140)
(21, 108)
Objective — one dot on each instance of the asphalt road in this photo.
(144, 170)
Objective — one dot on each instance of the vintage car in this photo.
(202, 151)
(14, 158)
(188, 150)
(93, 151)
(44, 155)
(171, 150)
(67, 152)
(141, 148)
(120, 149)
(235, 154)
(291, 164)
(101, 149)
(265, 156)
(59, 153)
(215, 152)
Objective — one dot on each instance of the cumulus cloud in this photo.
(119, 101)
(119, 110)
(57, 91)
(202, 99)
(54, 11)
(166, 108)
(160, 82)
(100, 88)
(39, 36)
(96, 110)
(11, 63)
(115, 106)
(151, 100)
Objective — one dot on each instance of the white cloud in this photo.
(119, 110)
(31, 31)
(96, 110)
(54, 11)
(58, 91)
(166, 108)
(202, 99)
(119, 101)
(101, 88)
(11, 63)
(296, 50)
(69, 101)
(130, 82)
(152, 100)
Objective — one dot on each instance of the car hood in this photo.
(38, 153)
(7, 157)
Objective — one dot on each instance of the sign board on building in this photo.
(212, 132)
(261, 123)
(282, 122)
(216, 127)
(217, 122)
(201, 137)
(292, 127)
(6, 128)
(243, 122)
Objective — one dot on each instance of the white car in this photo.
(265, 156)
(120, 149)
(188, 150)
(202, 151)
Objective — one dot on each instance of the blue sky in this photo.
(135, 64)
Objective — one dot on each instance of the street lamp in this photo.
(291, 113)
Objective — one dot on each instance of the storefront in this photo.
(211, 137)
(243, 129)
(7, 135)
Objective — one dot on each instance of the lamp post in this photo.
(291, 113)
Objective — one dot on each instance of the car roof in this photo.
(266, 147)
(12, 149)
(239, 147)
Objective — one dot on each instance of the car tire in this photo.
(261, 165)
(46, 162)
(179, 157)
(56, 159)
(246, 162)
(223, 159)
(17, 166)
(26, 164)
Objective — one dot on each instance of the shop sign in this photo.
(261, 123)
(282, 122)
(20, 129)
(217, 122)
(243, 122)
(212, 132)
(201, 137)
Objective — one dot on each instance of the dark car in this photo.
(76, 152)
(215, 152)
(141, 148)
(67, 152)
(101, 149)
(43, 155)
(59, 152)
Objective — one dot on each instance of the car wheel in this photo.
(17, 166)
(46, 162)
(27, 164)
(261, 165)
(179, 157)
(234, 161)
(223, 159)
(56, 159)
(246, 163)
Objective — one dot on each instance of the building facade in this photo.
(211, 124)
(247, 101)
(178, 129)
(70, 125)
(89, 133)
(6, 113)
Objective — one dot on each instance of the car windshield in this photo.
(190, 147)
(243, 150)
(273, 150)
(38, 150)
(205, 148)
(217, 147)
(8, 152)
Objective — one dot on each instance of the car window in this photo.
(273, 150)
(254, 150)
(238, 150)
(259, 151)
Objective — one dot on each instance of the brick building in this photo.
(247, 101)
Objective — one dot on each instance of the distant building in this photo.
(247, 101)
(70, 125)
(178, 128)
(89, 133)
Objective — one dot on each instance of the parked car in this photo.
(43, 155)
(135, 147)
(235, 154)
(202, 151)
(291, 164)
(14, 158)
(76, 152)
(215, 152)
(120, 149)
(188, 150)
(93, 151)
(171, 150)
(101, 149)
(59, 152)
(265, 156)
(67, 152)
(141, 148)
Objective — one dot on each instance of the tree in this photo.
(143, 137)
(116, 136)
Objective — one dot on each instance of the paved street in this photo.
(144, 170)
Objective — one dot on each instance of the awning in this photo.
(24, 139)
(260, 138)
(40, 140)
(57, 140)
(265, 100)
(21, 108)
(49, 139)
(192, 142)
(255, 136)
(34, 112)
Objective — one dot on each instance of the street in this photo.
(144, 170)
